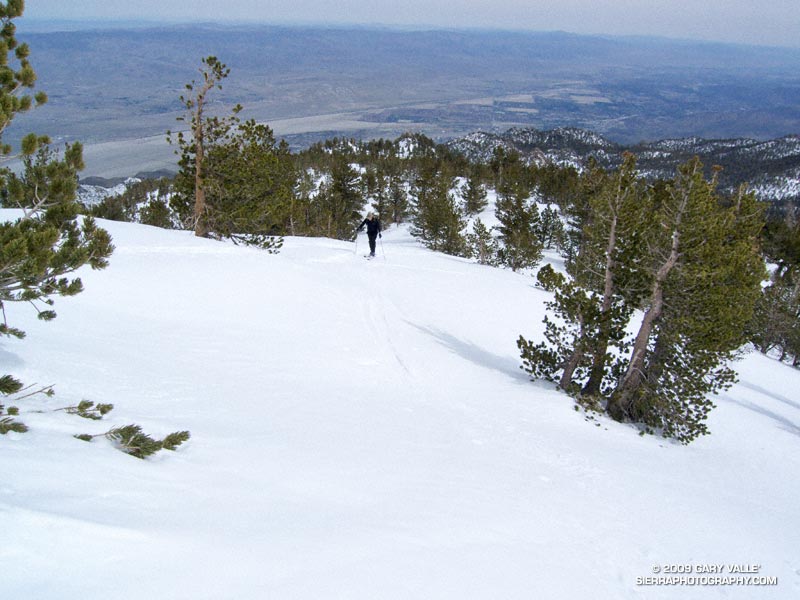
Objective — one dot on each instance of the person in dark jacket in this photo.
(373, 230)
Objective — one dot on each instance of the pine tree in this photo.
(392, 204)
(549, 279)
(437, 220)
(371, 180)
(381, 199)
(38, 250)
(512, 178)
(687, 256)
(43, 248)
(145, 201)
(482, 244)
(18, 75)
(191, 180)
(156, 213)
(398, 200)
(776, 323)
(577, 211)
(593, 307)
(610, 258)
(519, 222)
(299, 216)
(706, 274)
(551, 229)
(564, 355)
(474, 194)
(558, 185)
(249, 181)
(339, 201)
(781, 241)
(518, 215)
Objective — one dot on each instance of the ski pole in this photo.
(380, 237)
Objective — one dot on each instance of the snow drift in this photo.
(361, 429)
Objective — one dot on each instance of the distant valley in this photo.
(117, 89)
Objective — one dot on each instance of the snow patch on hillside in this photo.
(361, 429)
(90, 195)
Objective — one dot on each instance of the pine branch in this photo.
(130, 439)
(173, 440)
(7, 424)
(88, 410)
(46, 390)
(9, 385)
(38, 205)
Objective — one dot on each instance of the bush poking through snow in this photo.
(549, 279)
(8, 424)
(130, 439)
(88, 410)
(175, 439)
(10, 386)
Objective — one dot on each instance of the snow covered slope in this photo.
(361, 429)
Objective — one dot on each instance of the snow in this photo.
(95, 194)
(777, 188)
(361, 429)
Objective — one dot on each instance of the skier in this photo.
(373, 231)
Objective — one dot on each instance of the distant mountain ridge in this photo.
(771, 168)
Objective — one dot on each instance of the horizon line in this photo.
(93, 22)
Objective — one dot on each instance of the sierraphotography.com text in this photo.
(707, 574)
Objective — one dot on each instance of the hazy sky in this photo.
(770, 22)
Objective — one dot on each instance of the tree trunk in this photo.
(620, 402)
(598, 369)
(599, 359)
(655, 366)
(200, 227)
(569, 368)
(574, 360)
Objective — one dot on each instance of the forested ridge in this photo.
(663, 282)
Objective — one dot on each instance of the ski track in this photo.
(374, 306)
